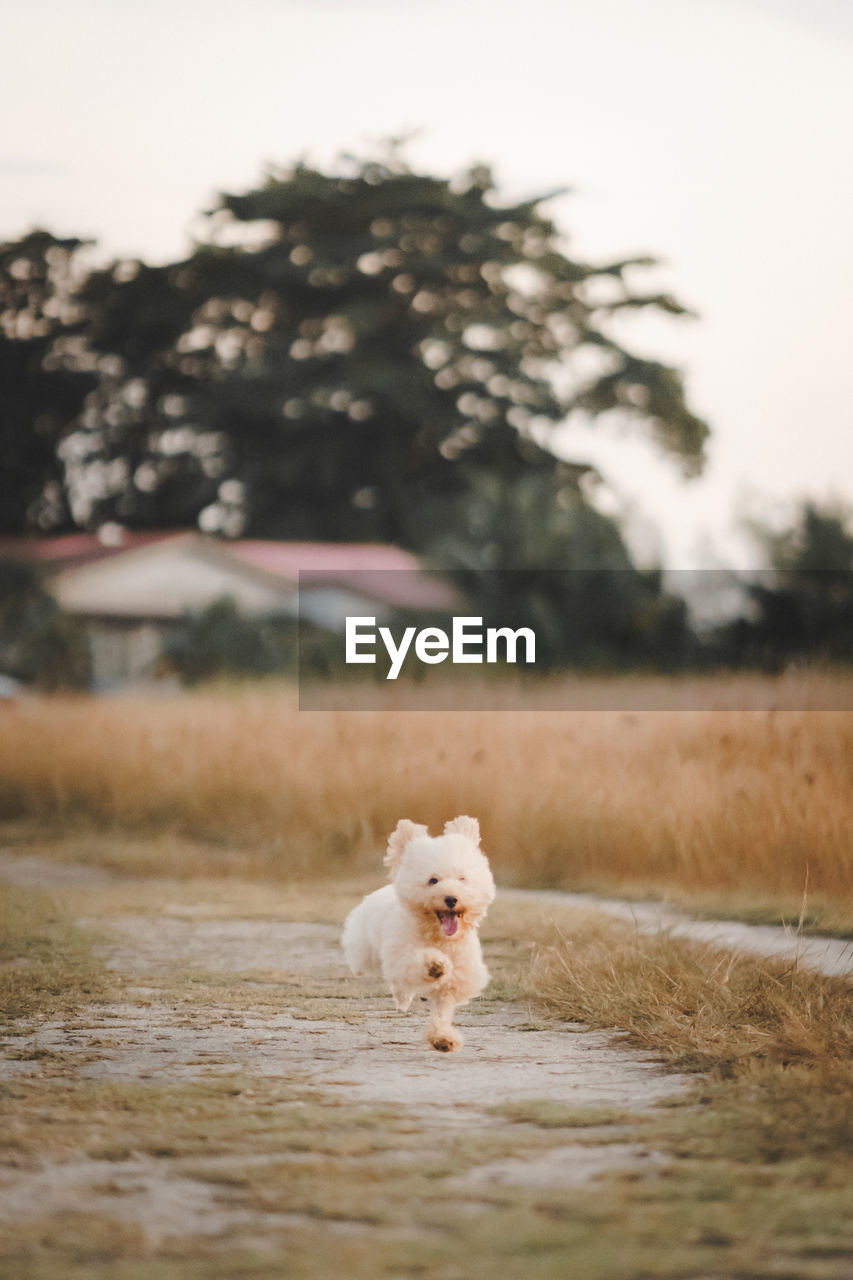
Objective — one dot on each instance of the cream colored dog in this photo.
(420, 931)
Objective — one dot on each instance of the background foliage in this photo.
(372, 353)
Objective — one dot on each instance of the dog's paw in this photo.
(445, 1040)
(436, 966)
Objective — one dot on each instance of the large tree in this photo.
(45, 375)
(348, 349)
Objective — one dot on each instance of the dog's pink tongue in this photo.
(449, 925)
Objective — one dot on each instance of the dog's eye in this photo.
(433, 880)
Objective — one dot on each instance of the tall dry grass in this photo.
(701, 1007)
(756, 804)
(775, 1040)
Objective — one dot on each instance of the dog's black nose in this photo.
(451, 902)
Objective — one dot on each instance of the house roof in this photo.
(377, 570)
(293, 558)
(159, 574)
(76, 548)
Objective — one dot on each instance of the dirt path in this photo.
(340, 1043)
(830, 956)
(379, 1058)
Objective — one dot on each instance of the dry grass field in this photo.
(747, 812)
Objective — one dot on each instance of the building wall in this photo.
(123, 650)
(168, 578)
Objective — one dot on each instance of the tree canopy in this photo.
(45, 373)
(345, 351)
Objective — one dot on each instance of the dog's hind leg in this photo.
(402, 999)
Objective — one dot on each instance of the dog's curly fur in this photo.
(420, 931)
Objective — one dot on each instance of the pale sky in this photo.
(713, 134)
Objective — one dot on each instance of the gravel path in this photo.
(369, 1054)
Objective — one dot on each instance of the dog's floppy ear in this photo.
(463, 826)
(404, 833)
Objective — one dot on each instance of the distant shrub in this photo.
(220, 640)
(39, 643)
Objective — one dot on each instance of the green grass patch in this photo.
(214, 1116)
(47, 965)
(545, 1113)
(691, 1222)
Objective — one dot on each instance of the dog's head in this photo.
(444, 880)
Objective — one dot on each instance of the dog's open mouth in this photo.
(449, 921)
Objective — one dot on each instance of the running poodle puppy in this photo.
(420, 931)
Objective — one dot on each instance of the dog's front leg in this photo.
(423, 968)
(440, 1032)
(435, 966)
